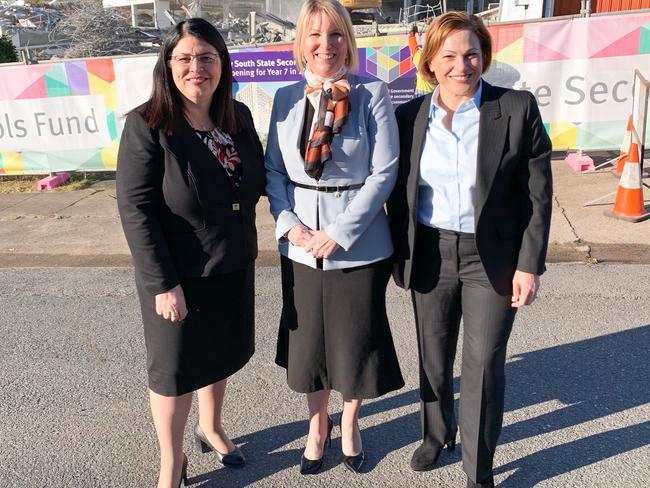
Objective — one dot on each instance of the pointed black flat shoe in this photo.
(489, 483)
(353, 463)
(234, 459)
(313, 466)
(426, 456)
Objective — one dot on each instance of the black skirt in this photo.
(334, 332)
(214, 341)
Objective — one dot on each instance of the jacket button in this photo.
(235, 207)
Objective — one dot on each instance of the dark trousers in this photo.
(449, 282)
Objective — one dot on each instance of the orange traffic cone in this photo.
(629, 197)
(625, 147)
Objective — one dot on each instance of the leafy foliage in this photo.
(8, 52)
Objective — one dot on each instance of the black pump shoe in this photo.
(426, 456)
(313, 466)
(233, 459)
(354, 463)
(183, 480)
(309, 466)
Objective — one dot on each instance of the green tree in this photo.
(8, 52)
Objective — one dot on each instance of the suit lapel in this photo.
(247, 150)
(420, 125)
(296, 117)
(493, 129)
(175, 143)
(189, 149)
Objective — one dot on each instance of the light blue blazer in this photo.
(365, 151)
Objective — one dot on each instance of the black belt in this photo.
(328, 189)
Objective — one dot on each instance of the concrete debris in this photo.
(268, 29)
(25, 15)
(44, 32)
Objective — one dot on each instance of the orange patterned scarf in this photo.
(331, 114)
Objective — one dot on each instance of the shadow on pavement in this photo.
(594, 378)
(567, 457)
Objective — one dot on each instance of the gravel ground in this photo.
(74, 410)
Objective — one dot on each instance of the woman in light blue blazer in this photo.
(331, 163)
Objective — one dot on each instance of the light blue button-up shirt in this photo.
(447, 177)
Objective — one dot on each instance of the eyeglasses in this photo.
(204, 59)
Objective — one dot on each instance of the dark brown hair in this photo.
(440, 29)
(164, 110)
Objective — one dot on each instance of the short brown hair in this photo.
(441, 28)
(337, 14)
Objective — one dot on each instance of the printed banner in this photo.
(69, 115)
(52, 123)
(580, 70)
(58, 117)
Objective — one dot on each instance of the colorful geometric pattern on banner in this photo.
(580, 70)
(552, 47)
(388, 63)
(66, 79)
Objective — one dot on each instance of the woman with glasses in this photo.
(332, 162)
(190, 172)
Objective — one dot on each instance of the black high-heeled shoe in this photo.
(426, 456)
(233, 459)
(353, 463)
(183, 480)
(313, 466)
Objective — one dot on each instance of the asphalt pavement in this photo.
(74, 411)
(73, 399)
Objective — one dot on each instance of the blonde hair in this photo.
(441, 28)
(339, 16)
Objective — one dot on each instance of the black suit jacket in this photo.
(180, 214)
(513, 203)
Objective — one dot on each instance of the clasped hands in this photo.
(171, 304)
(315, 242)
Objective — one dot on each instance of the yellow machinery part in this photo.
(361, 4)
